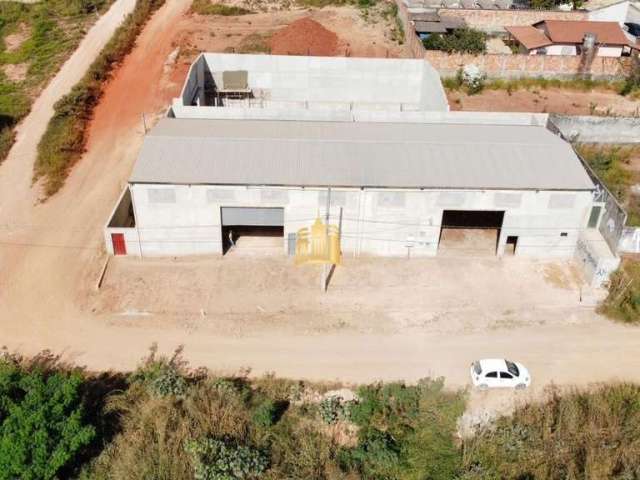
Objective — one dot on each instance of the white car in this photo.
(499, 373)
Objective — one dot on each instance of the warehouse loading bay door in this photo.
(252, 231)
(470, 232)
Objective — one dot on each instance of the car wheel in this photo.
(483, 386)
(521, 386)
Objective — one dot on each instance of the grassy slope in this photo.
(54, 28)
(64, 140)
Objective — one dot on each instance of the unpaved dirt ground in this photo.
(240, 296)
(550, 100)
(51, 255)
(357, 37)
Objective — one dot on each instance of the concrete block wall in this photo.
(496, 20)
(519, 65)
(378, 222)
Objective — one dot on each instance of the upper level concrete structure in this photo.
(321, 88)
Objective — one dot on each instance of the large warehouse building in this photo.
(413, 183)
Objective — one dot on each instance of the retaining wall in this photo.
(598, 129)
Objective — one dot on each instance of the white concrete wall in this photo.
(571, 50)
(596, 258)
(296, 82)
(611, 13)
(379, 222)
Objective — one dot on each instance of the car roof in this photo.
(490, 364)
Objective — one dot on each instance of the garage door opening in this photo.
(470, 232)
(252, 231)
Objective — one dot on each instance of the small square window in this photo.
(564, 234)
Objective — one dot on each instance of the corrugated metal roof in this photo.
(356, 154)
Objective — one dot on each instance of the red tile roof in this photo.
(530, 37)
(568, 31)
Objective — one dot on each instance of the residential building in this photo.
(565, 37)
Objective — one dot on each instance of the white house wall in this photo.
(185, 220)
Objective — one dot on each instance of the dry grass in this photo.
(590, 435)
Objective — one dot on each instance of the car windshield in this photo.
(513, 369)
(477, 368)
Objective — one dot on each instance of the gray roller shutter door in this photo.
(253, 216)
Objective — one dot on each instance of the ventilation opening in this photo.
(470, 232)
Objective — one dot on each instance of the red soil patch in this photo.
(304, 37)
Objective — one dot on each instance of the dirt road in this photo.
(51, 254)
(17, 169)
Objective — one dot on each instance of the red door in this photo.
(119, 247)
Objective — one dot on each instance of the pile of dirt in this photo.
(304, 37)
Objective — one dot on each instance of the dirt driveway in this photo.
(245, 296)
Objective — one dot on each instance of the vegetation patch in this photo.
(35, 40)
(255, 43)
(64, 141)
(623, 301)
(612, 164)
(462, 40)
(167, 421)
(206, 7)
(578, 434)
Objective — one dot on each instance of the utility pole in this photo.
(326, 241)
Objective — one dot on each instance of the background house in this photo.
(565, 37)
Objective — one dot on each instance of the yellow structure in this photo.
(318, 244)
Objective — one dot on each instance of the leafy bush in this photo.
(163, 376)
(206, 7)
(473, 78)
(269, 412)
(332, 409)
(63, 142)
(462, 40)
(589, 435)
(43, 427)
(225, 460)
(377, 457)
(632, 80)
(406, 431)
(623, 301)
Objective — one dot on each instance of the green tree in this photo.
(463, 40)
(42, 425)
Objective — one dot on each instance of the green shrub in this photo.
(579, 434)
(406, 431)
(269, 412)
(332, 409)
(632, 80)
(462, 40)
(225, 460)
(377, 457)
(43, 427)
(206, 7)
(623, 300)
(63, 142)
